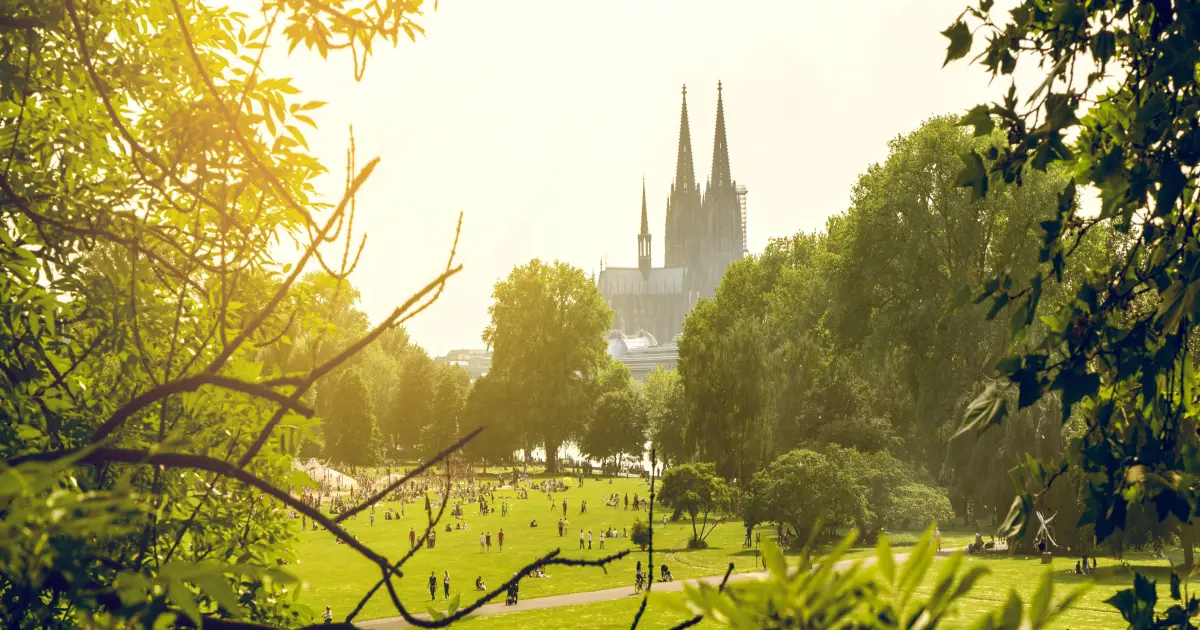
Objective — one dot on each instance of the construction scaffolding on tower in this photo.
(741, 195)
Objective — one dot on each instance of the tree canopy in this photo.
(697, 490)
(159, 367)
(548, 323)
(1116, 110)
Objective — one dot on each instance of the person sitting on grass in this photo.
(479, 586)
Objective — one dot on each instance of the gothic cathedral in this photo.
(705, 232)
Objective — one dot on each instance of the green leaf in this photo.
(436, 614)
(1104, 44)
(216, 586)
(1030, 387)
(454, 603)
(1011, 617)
(1039, 607)
(1076, 385)
(980, 118)
(974, 175)
(988, 408)
(1144, 589)
(883, 555)
(182, 597)
(773, 559)
(960, 41)
(1171, 181)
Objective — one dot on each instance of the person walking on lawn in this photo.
(500, 539)
(446, 585)
(432, 586)
(581, 539)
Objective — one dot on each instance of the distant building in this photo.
(642, 353)
(475, 362)
(704, 234)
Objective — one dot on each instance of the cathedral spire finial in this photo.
(645, 222)
(685, 173)
(720, 165)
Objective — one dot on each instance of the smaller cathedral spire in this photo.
(644, 238)
(645, 222)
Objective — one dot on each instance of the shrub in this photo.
(639, 534)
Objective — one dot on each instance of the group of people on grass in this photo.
(483, 494)
(1081, 567)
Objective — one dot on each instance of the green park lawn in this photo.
(336, 576)
(1023, 574)
(1006, 573)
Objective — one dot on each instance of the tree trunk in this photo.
(551, 458)
(1186, 541)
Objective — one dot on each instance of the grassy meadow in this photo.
(336, 576)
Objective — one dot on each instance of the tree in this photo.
(617, 427)
(919, 505)
(721, 364)
(697, 490)
(1119, 350)
(876, 478)
(639, 534)
(150, 167)
(548, 323)
(801, 487)
(666, 414)
(411, 410)
(451, 387)
(488, 405)
(351, 435)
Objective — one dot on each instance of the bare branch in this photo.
(283, 289)
(189, 384)
(341, 358)
(379, 496)
(101, 455)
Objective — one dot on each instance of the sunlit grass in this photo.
(336, 576)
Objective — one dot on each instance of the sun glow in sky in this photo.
(539, 119)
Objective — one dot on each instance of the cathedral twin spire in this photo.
(701, 230)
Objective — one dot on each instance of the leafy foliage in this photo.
(825, 593)
(697, 490)
(1117, 111)
(666, 414)
(617, 428)
(158, 367)
(639, 533)
(547, 329)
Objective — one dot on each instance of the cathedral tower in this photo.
(721, 208)
(683, 207)
(644, 238)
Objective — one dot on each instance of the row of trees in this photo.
(389, 402)
(863, 335)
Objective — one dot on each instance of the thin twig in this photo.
(379, 496)
(189, 384)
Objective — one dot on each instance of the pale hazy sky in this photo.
(538, 120)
